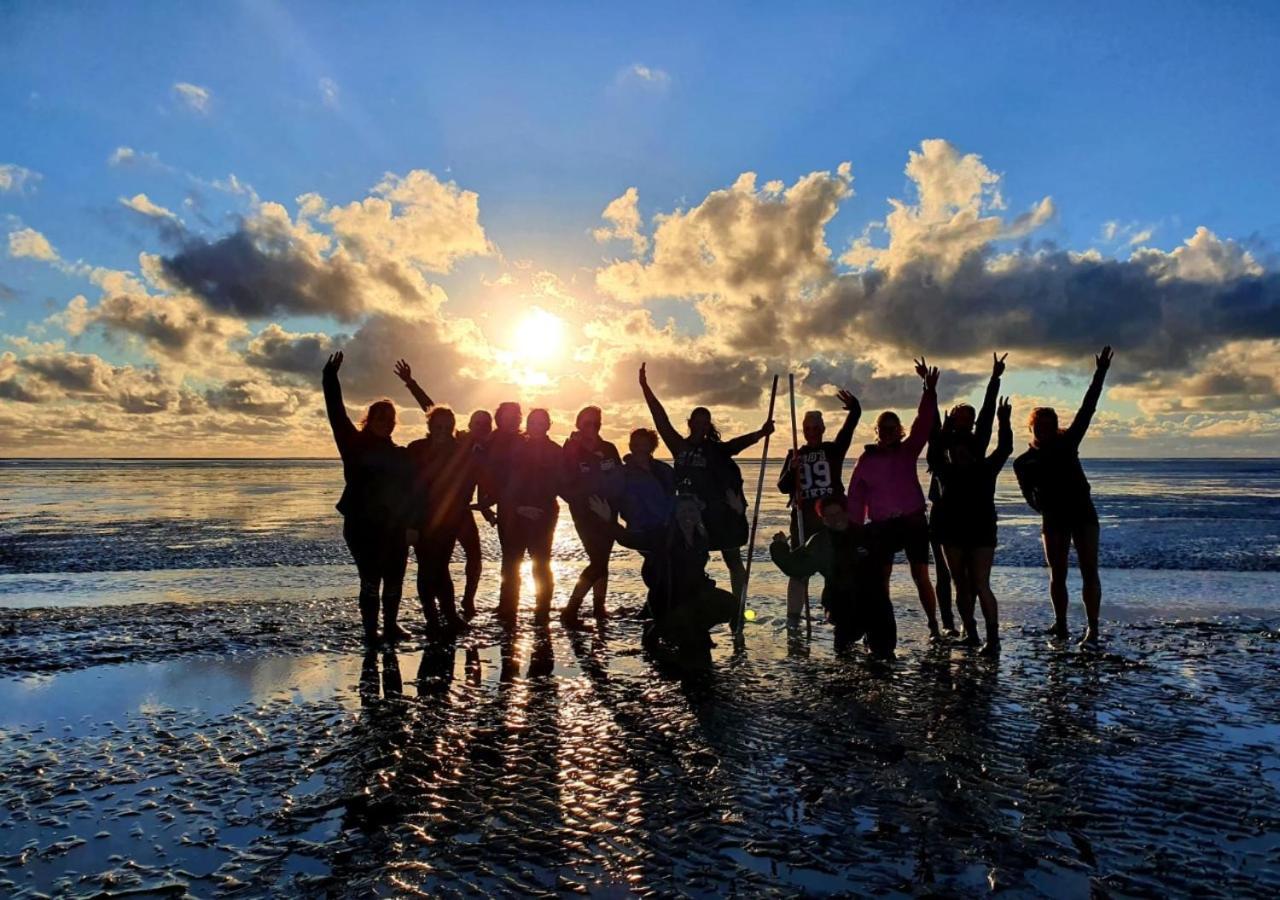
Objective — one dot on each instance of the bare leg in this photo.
(1057, 550)
(737, 570)
(797, 595)
(1086, 540)
(929, 602)
(980, 560)
(962, 577)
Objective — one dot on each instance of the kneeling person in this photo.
(851, 562)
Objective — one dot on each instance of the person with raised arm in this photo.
(373, 504)
(850, 560)
(592, 468)
(443, 482)
(885, 489)
(814, 473)
(967, 526)
(959, 425)
(1054, 484)
(478, 429)
(705, 466)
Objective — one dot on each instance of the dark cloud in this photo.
(278, 350)
(705, 381)
(252, 398)
(13, 389)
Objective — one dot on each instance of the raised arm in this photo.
(801, 562)
(844, 437)
(982, 428)
(661, 421)
(343, 430)
(926, 413)
(405, 374)
(1080, 424)
(743, 441)
(937, 455)
(1004, 441)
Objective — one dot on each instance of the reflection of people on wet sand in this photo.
(685, 603)
(373, 503)
(1054, 484)
(885, 488)
(473, 439)
(812, 473)
(851, 563)
(705, 464)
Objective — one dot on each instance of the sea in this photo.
(186, 710)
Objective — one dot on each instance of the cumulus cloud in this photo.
(193, 96)
(278, 350)
(16, 179)
(623, 216)
(141, 203)
(31, 244)
(254, 398)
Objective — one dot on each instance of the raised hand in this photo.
(403, 372)
(931, 379)
(922, 368)
(599, 506)
(334, 363)
(1005, 410)
(997, 365)
(1103, 359)
(849, 402)
(644, 378)
(767, 427)
(781, 536)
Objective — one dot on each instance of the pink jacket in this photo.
(884, 483)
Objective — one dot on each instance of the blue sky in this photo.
(1157, 118)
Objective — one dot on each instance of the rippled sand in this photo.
(241, 760)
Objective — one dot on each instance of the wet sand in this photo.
(250, 747)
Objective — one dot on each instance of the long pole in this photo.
(796, 509)
(755, 518)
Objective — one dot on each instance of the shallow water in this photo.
(180, 714)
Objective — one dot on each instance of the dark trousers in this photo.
(519, 536)
(861, 612)
(435, 583)
(598, 544)
(469, 540)
(381, 556)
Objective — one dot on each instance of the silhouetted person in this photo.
(851, 562)
(885, 488)
(478, 430)
(592, 467)
(809, 476)
(648, 484)
(373, 504)
(966, 524)
(443, 482)
(960, 424)
(524, 474)
(1053, 481)
(685, 603)
(704, 465)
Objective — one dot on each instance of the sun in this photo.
(538, 336)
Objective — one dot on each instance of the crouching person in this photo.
(685, 603)
(851, 561)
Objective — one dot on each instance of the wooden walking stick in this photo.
(797, 509)
(755, 518)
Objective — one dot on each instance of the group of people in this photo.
(508, 469)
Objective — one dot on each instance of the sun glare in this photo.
(538, 336)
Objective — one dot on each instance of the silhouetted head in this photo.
(834, 511)
(507, 417)
(441, 422)
(701, 426)
(688, 513)
(380, 419)
(814, 427)
(588, 421)
(480, 425)
(1044, 425)
(538, 423)
(643, 443)
(962, 417)
(888, 429)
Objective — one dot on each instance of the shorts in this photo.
(1082, 516)
(966, 535)
(909, 533)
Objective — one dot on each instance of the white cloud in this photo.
(141, 203)
(329, 92)
(193, 96)
(16, 179)
(31, 244)
(646, 76)
(623, 214)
